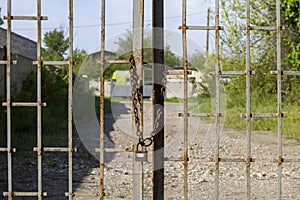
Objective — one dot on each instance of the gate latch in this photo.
(141, 155)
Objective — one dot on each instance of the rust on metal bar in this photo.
(202, 28)
(101, 101)
(279, 99)
(70, 63)
(200, 115)
(27, 17)
(289, 73)
(23, 194)
(57, 149)
(264, 115)
(23, 104)
(115, 150)
(178, 72)
(8, 100)
(286, 160)
(116, 62)
(174, 159)
(74, 194)
(7, 150)
(231, 160)
(4, 62)
(39, 99)
(262, 28)
(52, 62)
(185, 107)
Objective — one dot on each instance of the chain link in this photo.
(136, 102)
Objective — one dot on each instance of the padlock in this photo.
(141, 155)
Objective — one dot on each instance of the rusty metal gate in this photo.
(136, 63)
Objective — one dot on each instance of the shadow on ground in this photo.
(55, 166)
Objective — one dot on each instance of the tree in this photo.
(292, 21)
(125, 49)
(56, 45)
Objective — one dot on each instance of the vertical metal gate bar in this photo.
(8, 100)
(70, 101)
(158, 87)
(39, 100)
(101, 189)
(279, 99)
(207, 35)
(218, 128)
(185, 107)
(138, 29)
(248, 100)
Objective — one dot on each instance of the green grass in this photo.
(233, 120)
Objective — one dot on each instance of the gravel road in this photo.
(118, 168)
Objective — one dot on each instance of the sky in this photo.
(118, 21)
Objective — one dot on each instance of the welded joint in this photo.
(248, 161)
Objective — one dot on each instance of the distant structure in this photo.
(23, 51)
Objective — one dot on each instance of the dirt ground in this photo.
(118, 166)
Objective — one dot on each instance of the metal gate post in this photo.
(185, 107)
(101, 189)
(218, 110)
(138, 29)
(248, 101)
(70, 100)
(8, 101)
(279, 100)
(158, 77)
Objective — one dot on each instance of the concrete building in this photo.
(24, 52)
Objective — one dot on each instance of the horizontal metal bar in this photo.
(264, 115)
(26, 18)
(115, 150)
(232, 160)
(286, 160)
(174, 159)
(58, 149)
(7, 150)
(224, 73)
(177, 72)
(200, 115)
(82, 194)
(263, 28)
(52, 62)
(292, 73)
(200, 28)
(117, 61)
(24, 194)
(4, 62)
(23, 104)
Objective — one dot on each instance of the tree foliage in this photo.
(263, 51)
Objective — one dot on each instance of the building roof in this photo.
(19, 45)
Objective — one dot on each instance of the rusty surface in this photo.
(8, 100)
(102, 65)
(279, 99)
(70, 100)
(137, 91)
(185, 106)
(248, 100)
(217, 103)
(39, 99)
